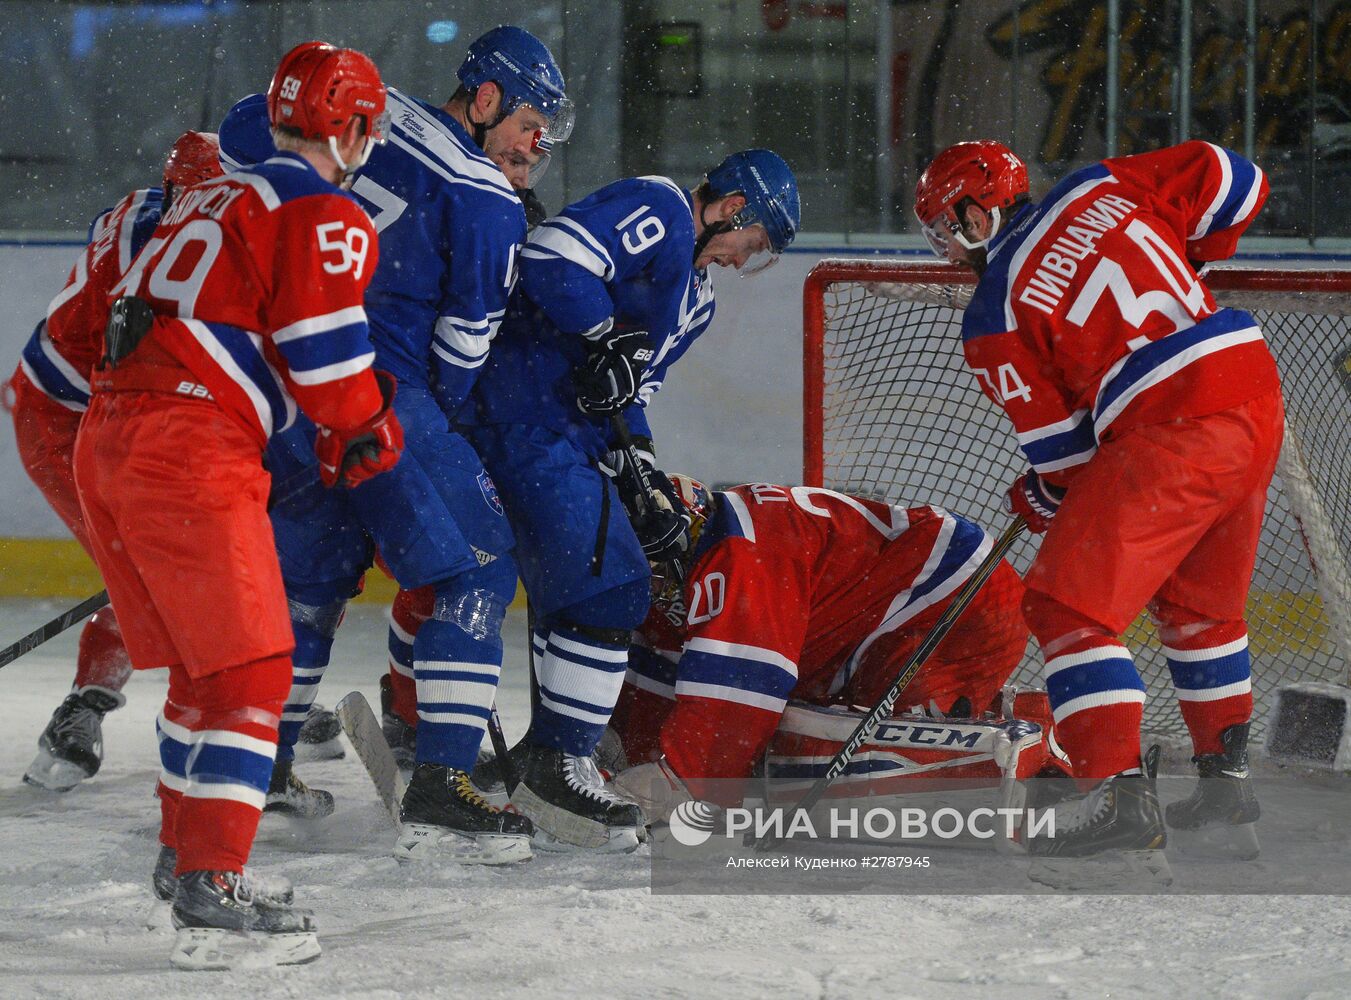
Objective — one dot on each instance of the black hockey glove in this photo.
(607, 381)
(663, 533)
(662, 524)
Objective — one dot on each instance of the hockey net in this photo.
(891, 411)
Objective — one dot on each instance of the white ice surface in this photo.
(75, 900)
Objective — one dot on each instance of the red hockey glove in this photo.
(1035, 499)
(352, 456)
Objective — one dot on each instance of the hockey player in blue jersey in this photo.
(614, 290)
(450, 228)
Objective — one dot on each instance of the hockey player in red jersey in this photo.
(51, 393)
(1151, 420)
(246, 303)
(806, 594)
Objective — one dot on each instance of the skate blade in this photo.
(287, 808)
(308, 753)
(53, 773)
(621, 840)
(419, 842)
(1137, 870)
(1236, 842)
(200, 949)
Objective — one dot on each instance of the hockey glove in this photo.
(661, 524)
(664, 528)
(607, 381)
(352, 456)
(629, 481)
(663, 533)
(1035, 499)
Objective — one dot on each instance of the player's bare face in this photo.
(510, 145)
(734, 248)
(954, 252)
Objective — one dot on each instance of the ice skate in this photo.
(1112, 837)
(1219, 818)
(401, 737)
(221, 925)
(319, 736)
(271, 890)
(70, 749)
(443, 817)
(571, 807)
(489, 779)
(289, 796)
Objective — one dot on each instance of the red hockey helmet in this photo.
(193, 158)
(318, 88)
(987, 172)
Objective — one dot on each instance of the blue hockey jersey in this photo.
(450, 228)
(625, 252)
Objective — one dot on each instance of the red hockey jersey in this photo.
(68, 343)
(1090, 318)
(256, 279)
(791, 581)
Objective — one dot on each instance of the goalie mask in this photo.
(699, 504)
(986, 173)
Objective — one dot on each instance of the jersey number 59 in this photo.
(351, 247)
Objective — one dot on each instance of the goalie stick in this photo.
(363, 730)
(53, 628)
(880, 712)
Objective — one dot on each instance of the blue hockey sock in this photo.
(314, 628)
(457, 659)
(579, 683)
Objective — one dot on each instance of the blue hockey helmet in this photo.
(524, 68)
(770, 190)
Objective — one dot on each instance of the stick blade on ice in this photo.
(363, 730)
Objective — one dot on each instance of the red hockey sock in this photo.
(168, 812)
(223, 728)
(1096, 694)
(410, 609)
(102, 660)
(1211, 674)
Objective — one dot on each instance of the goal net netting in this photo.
(891, 411)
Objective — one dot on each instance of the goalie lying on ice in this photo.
(804, 594)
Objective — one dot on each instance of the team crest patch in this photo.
(485, 485)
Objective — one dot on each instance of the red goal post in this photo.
(889, 410)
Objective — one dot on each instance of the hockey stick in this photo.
(499, 741)
(639, 481)
(634, 471)
(880, 712)
(54, 627)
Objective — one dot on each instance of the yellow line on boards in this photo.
(59, 567)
